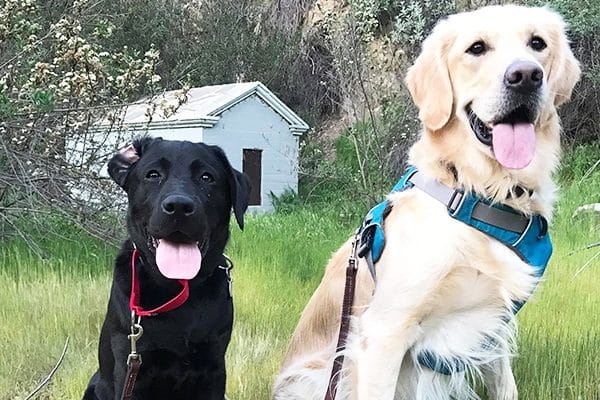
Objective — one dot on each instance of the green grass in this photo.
(278, 262)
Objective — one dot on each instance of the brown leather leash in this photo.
(345, 322)
(134, 359)
(132, 371)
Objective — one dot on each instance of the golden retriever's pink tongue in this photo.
(177, 260)
(514, 145)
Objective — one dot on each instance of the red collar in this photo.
(134, 299)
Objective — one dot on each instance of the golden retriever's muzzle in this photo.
(522, 100)
(523, 81)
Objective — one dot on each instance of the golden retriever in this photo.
(487, 84)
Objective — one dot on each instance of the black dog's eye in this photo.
(537, 43)
(478, 48)
(153, 174)
(206, 177)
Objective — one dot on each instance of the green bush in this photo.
(368, 14)
(322, 179)
(579, 162)
(416, 18)
(365, 160)
(582, 15)
(286, 202)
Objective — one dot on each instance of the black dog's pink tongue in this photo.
(177, 260)
(514, 145)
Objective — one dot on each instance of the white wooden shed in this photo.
(257, 131)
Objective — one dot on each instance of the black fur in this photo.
(182, 350)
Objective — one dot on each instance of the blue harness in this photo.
(527, 236)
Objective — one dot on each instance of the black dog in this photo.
(180, 199)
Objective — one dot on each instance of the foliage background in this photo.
(339, 64)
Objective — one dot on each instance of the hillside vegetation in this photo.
(338, 63)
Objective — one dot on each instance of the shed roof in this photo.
(204, 106)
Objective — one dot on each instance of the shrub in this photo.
(579, 161)
(58, 75)
(366, 159)
(286, 202)
(415, 19)
(368, 15)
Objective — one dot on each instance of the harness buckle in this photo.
(456, 201)
(365, 240)
(352, 260)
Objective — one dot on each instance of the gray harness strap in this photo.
(452, 198)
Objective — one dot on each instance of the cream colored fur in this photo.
(441, 285)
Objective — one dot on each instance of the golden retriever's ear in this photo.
(564, 69)
(429, 83)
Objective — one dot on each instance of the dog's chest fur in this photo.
(457, 284)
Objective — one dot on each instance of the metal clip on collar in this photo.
(227, 268)
(136, 333)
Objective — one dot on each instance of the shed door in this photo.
(252, 166)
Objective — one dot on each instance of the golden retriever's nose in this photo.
(523, 77)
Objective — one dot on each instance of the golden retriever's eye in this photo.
(478, 48)
(537, 43)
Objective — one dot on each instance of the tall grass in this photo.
(278, 262)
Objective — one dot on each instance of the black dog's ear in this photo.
(120, 165)
(240, 195)
(239, 188)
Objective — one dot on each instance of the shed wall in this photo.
(252, 124)
(189, 134)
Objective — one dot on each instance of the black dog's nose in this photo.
(178, 204)
(523, 77)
